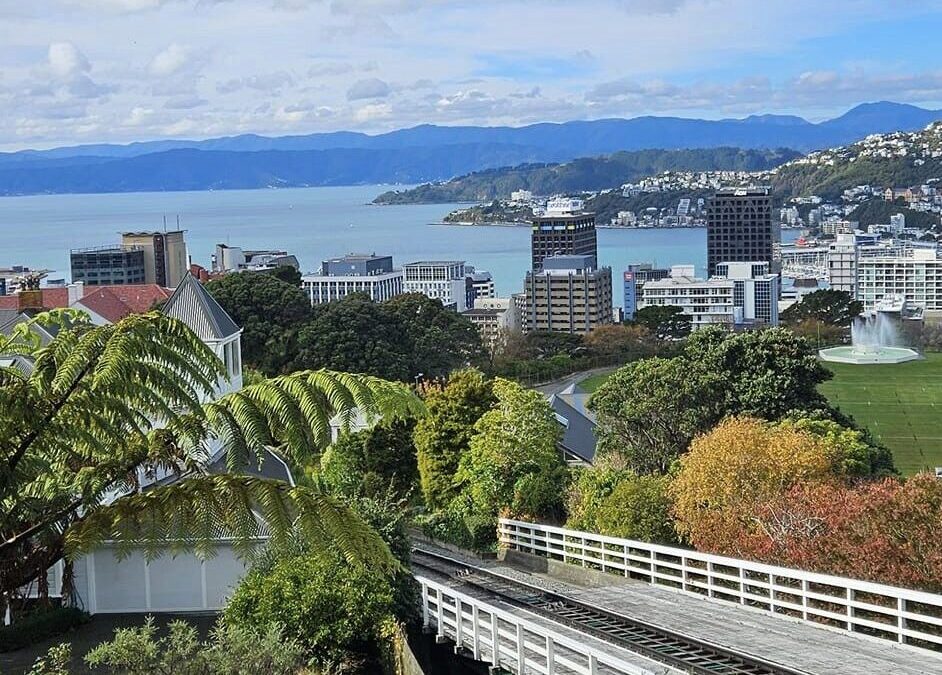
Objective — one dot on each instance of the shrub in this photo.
(56, 661)
(339, 613)
(231, 649)
(40, 625)
(639, 508)
(587, 491)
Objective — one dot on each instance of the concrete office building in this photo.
(747, 295)
(354, 273)
(740, 228)
(235, 259)
(444, 280)
(165, 258)
(917, 279)
(482, 283)
(755, 292)
(633, 280)
(569, 294)
(495, 318)
(108, 265)
(563, 229)
(842, 264)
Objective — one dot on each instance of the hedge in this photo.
(40, 625)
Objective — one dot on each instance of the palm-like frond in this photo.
(105, 406)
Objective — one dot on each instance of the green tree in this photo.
(440, 339)
(444, 434)
(356, 335)
(667, 322)
(587, 491)
(339, 614)
(373, 461)
(513, 442)
(287, 273)
(766, 373)
(831, 307)
(270, 313)
(649, 411)
(639, 507)
(102, 405)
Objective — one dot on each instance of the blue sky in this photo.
(80, 71)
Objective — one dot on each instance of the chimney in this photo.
(76, 292)
(30, 299)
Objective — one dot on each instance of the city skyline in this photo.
(80, 71)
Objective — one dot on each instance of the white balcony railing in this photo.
(899, 614)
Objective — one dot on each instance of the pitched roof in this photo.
(578, 429)
(193, 305)
(53, 298)
(113, 303)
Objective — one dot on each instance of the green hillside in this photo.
(590, 173)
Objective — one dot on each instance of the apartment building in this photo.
(917, 279)
(568, 294)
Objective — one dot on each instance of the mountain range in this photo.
(418, 154)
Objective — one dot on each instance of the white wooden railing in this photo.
(508, 641)
(888, 612)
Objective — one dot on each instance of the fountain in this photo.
(874, 339)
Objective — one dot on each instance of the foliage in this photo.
(852, 451)
(355, 335)
(626, 341)
(287, 273)
(639, 507)
(40, 625)
(372, 461)
(56, 661)
(230, 649)
(766, 373)
(830, 307)
(649, 411)
(399, 339)
(587, 491)
(84, 423)
(878, 211)
(338, 613)
(269, 310)
(513, 459)
(444, 434)
(440, 339)
(818, 333)
(666, 322)
(741, 463)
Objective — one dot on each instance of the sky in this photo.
(84, 71)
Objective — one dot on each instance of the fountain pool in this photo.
(874, 339)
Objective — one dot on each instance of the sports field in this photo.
(901, 404)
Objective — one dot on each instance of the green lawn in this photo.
(593, 382)
(901, 404)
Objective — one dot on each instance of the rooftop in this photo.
(113, 303)
(434, 263)
(150, 234)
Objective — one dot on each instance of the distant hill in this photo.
(588, 173)
(424, 153)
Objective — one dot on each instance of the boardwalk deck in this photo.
(791, 643)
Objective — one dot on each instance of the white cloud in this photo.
(169, 61)
(65, 60)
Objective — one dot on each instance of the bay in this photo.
(313, 224)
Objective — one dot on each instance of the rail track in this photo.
(655, 642)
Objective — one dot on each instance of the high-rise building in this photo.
(740, 228)
(842, 264)
(569, 294)
(482, 283)
(755, 292)
(108, 265)
(563, 229)
(354, 273)
(633, 280)
(917, 279)
(443, 280)
(165, 257)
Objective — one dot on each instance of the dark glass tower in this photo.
(562, 234)
(740, 228)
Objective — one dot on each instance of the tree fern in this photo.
(107, 406)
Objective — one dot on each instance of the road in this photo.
(557, 386)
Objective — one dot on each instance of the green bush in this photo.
(56, 661)
(341, 614)
(587, 490)
(639, 508)
(373, 461)
(40, 625)
(540, 495)
(230, 650)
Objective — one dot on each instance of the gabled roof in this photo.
(578, 429)
(193, 305)
(113, 303)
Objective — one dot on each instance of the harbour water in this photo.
(312, 223)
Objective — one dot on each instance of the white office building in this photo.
(443, 280)
(742, 294)
(354, 273)
(842, 264)
(496, 318)
(482, 283)
(916, 278)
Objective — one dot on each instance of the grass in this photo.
(593, 382)
(901, 404)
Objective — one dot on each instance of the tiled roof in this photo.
(53, 298)
(113, 303)
(193, 305)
